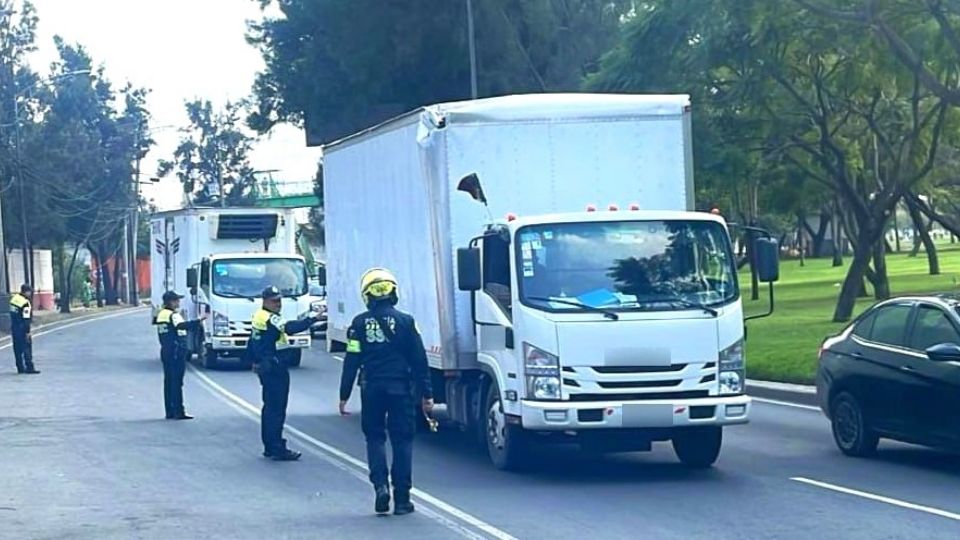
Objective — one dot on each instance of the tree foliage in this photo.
(212, 160)
(340, 66)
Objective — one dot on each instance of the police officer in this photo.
(266, 347)
(384, 345)
(172, 331)
(21, 313)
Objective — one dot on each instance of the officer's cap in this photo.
(271, 293)
(170, 296)
(26, 288)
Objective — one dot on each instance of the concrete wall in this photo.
(42, 274)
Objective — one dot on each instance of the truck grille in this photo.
(240, 328)
(616, 383)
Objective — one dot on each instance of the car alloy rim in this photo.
(848, 424)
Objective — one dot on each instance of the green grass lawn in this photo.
(784, 346)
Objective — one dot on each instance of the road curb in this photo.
(790, 393)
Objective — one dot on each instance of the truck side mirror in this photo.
(468, 269)
(322, 276)
(768, 260)
(192, 278)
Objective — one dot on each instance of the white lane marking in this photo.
(336, 455)
(878, 498)
(78, 322)
(786, 404)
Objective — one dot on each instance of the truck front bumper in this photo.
(239, 343)
(570, 416)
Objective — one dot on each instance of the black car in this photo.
(894, 373)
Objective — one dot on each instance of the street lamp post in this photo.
(472, 43)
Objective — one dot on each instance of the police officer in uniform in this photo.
(266, 347)
(21, 313)
(172, 331)
(384, 345)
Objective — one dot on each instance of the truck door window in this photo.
(496, 270)
(205, 275)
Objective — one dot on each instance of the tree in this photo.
(341, 66)
(212, 160)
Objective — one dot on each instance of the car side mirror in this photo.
(768, 260)
(192, 279)
(469, 269)
(944, 352)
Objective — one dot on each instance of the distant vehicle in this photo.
(529, 334)
(222, 259)
(318, 302)
(895, 373)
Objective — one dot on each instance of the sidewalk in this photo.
(85, 453)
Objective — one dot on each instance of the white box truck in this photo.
(614, 328)
(221, 259)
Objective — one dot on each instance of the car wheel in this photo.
(698, 447)
(295, 357)
(851, 431)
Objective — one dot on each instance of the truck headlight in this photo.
(732, 369)
(542, 371)
(221, 324)
(319, 306)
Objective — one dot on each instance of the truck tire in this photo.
(208, 358)
(698, 447)
(296, 355)
(851, 430)
(507, 444)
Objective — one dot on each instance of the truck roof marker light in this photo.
(613, 208)
(511, 217)
(591, 208)
(634, 207)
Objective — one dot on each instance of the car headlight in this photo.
(542, 371)
(732, 369)
(221, 324)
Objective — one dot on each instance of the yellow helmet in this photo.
(378, 284)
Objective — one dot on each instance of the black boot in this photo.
(285, 455)
(382, 505)
(402, 506)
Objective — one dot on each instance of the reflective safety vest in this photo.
(167, 323)
(20, 306)
(262, 320)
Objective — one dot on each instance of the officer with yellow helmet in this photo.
(267, 343)
(384, 345)
(172, 332)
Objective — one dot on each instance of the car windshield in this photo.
(633, 265)
(249, 277)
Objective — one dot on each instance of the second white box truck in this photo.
(614, 327)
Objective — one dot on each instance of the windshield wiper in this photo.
(678, 301)
(233, 295)
(575, 303)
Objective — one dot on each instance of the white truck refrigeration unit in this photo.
(614, 328)
(221, 259)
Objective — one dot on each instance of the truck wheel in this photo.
(208, 358)
(296, 356)
(699, 447)
(507, 444)
(851, 431)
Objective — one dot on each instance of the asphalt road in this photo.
(83, 455)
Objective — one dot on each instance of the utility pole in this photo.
(4, 282)
(472, 40)
(135, 223)
(18, 171)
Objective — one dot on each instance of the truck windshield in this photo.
(625, 266)
(249, 277)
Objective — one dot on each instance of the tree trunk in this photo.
(116, 276)
(853, 282)
(835, 226)
(68, 289)
(880, 281)
(64, 302)
(933, 259)
(98, 275)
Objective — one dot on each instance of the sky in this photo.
(180, 50)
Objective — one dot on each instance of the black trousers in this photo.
(389, 407)
(22, 352)
(276, 392)
(174, 367)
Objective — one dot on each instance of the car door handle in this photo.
(907, 369)
(858, 356)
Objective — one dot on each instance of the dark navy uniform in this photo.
(172, 332)
(21, 316)
(267, 341)
(385, 346)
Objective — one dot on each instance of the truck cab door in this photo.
(484, 271)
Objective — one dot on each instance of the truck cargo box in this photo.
(391, 198)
